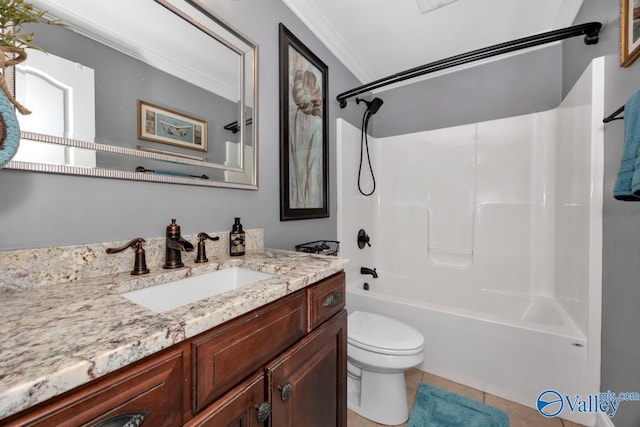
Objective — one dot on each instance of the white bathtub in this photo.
(512, 346)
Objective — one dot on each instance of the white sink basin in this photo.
(171, 295)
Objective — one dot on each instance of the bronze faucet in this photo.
(202, 253)
(175, 245)
(140, 263)
(366, 270)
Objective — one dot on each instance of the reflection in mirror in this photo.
(61, 96)
(86, 90)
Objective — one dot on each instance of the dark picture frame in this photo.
(629, 31)
(304, 135)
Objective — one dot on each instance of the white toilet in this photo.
(379, 350)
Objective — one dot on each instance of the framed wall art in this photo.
(160, 124)
(629, 31)
(304, 151)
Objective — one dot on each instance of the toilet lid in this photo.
(375, 332)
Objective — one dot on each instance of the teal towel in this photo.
(172, 173)
(627, 186)
(435, 407)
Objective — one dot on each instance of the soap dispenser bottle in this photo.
(236, 239)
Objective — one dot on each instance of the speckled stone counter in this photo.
(33, 268)
(55, 338)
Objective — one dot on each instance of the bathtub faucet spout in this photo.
(365, 270)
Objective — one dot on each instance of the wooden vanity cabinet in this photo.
(304, 386)
(281, 365)
(304, 383)
(151, 391)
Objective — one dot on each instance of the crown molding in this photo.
(322, 28)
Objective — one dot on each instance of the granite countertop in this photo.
(55, 338)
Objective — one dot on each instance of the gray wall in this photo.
(40, 210)
(621, 269)
(521, 84)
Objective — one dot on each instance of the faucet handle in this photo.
(363, 239)
(140, 263)
(202, 253)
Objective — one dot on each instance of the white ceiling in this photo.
(378, 38)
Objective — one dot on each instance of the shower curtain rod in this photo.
(590, 30)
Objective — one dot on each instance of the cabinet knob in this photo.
(128, 419)
(332, 299)
(264, 410)
(285, 391)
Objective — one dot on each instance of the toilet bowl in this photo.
(379, 351)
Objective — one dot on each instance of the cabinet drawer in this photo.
(223, 357)
(151, 390)
(325, 299)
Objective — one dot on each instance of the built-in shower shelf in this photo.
(450, 257)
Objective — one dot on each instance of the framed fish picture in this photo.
(160, 124)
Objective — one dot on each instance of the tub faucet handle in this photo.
(140, 263)
(363, 239)
(202, 253)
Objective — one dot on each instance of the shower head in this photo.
(372, 106)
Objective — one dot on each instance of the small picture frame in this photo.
(629, 31)
(160, 124)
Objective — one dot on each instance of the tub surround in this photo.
(496, 260)
(58, 335)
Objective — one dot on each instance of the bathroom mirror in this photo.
(152, 90)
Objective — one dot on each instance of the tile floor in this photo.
(519, 415)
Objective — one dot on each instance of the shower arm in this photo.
(590, 30)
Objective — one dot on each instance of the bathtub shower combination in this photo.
(487, 238)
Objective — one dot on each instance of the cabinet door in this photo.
(147, 394)
(244, 406)
(307, 384)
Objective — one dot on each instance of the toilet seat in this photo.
(380, 334)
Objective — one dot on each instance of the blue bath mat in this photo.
(434, 407)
